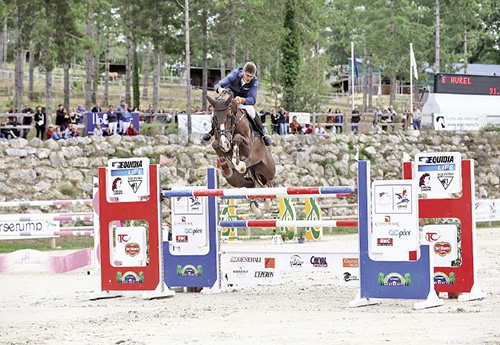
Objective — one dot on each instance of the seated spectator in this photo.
(384, 118)
(309, 129)
(375, 127)
(7, 133)
(58, 134)
(98, 132)
(50, 131)
(80, 109)
(295, 126)
(131, 131)
(14, 123)
(97, 108)
(106, 132)
(320, 130)
(71, 131)
(74, 117)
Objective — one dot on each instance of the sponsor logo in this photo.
(384, 241)
(263, 274)
(189, 271)
(317, 261)
(350, 277)
(399, 233)
(424, 181)
(441, 278)
(394, 279)
(442, 248)
(193, 231)
(432, 236)
(445, 181)
(181, 238)
(296, 261)
(350, 262)
(437, 159)
(240, 271)
(130, 277)
(127, 164)
(402, 199)
(132, 249)
(116, 186)
(253, 259)
(269, 262)
(122, 238)
(387, 222)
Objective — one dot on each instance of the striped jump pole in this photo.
(25, 203)
(46, 217)
(263, 223)
(262, 193)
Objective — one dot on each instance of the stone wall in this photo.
(47, 170)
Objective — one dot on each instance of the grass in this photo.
(43, 244)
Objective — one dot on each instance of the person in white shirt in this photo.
(320, 130)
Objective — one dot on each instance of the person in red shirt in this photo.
(50, 131)
(131, 131)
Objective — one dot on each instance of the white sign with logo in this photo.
(130, 246)
(459, 122)
(442, 239)
(395, 232)
(439, 173)
(303, 118)
(29, 228)
(127, 179)
(189, 225)
(199, 123)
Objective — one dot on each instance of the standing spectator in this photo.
(40, 119)
(12, 110)
(126, 118)
(283, 120)
(59, 116)
(406, 119)
(383, 118)
(355, 118)
(319, 130)
(275, 126)
(119, 111)
(150, 112)
(339, 120)
(263, 116)
(98, 130)
(131, 131)
(142, 114)
(377, 114)
(27, 120)
(80, 109)
(112, 120)
(66, 120)
(97, 108)
(329, 119)
(417, 117)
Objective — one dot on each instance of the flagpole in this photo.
(352, 74)
(411, 78)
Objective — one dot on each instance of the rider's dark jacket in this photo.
(234, 81)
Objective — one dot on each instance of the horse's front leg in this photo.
(239, 165)
(226, 170)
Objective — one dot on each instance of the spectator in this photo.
(12, 110)
(75, 116)
(15, 132)
(119, 110)
(263, 116)
(131, 131)
(329, 119)
(98, 130)
(392, 116)
(406, 119)
(161, 116)
(296, 127)
(126, 119)
(27, 120)
(355, 118)
(50, 131)
(71, 131)
(40, 119)
(417, 117)
(97, 108)
(275, 126)
(283, 120)
(319, 130)
(375, 127)
(377, 114)
(142, 114)
(150, 113)
(8, 133)
(112, 120)
(383, 118)
(80, 109)
(58, 134)
(339, 120)
(59, 115)
(106, 132)
(309, 129)
(66, 120)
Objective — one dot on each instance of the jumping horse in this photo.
(244, 159)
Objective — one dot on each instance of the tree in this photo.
(290, 62)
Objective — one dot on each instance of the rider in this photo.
(243, 83)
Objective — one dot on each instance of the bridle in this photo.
(225, 135)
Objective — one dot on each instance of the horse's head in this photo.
(223, 119)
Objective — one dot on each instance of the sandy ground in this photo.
(307, 308)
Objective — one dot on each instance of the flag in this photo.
(165, 160)
(354, 61)
(413, 62)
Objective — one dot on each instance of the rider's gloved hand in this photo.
(219, 90)
(239, 100)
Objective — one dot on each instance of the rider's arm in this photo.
(226, 81)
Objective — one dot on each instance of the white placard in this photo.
(395, 219)
(33, 228)
(303, 118)
(442, 239)
(199, 123)
(189, 225)
(439, 173)
(459, 122)
(127, 179)
(131, 246)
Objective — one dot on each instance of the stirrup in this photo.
(206, 137)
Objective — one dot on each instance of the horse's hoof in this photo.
(227, 173)
(241, 167)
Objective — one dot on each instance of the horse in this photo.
(244, 159)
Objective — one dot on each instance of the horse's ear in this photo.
(229, 99)
(211, 101)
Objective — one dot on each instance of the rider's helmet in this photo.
(250, 69)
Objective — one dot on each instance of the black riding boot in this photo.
(208, 136)
(258, 123)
